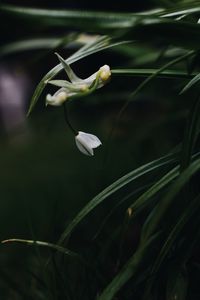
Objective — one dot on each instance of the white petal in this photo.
(59, 97)
(50, 100)
(86, 142)
(84, 149)
(90, 139)
(90, 79)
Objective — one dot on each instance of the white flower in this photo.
(58, 98)
(77, 86)
(86, 142)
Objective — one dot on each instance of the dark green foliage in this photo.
(139, 237)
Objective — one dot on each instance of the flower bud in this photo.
(86, 142)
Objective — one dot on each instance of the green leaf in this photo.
(40, 43)
(100, 21)
(143, 199)
(131, 267)
(14, 285)
(190, 84)
(145, 169)
(146, 72)
(29, 44)
(181, 9)
(165, 31)
(184, 219)
(164, 203)
(150, 78)
(191, 134)
(90, 21)
(42, 244)
(71, 17)
(177, 284)
(128, 270)
(142, 27)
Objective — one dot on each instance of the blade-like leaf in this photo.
(42, 244)
(72, 39)
(14, 285)
(190, 84)
(130, 269)
(142, 27)
(186, 217)
(148, 79)
(166, 31)
(177, 284)
(181, 9)
(191, 134)
(143, 199)
(32, 44)
(152, 166)
(164, 204)
(147, 72)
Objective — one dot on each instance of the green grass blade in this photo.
(147, 80)
(40, 43)
(69, 16)
(159, 71)
(168, 199)
(143, 199)
(165, 30)
(145, 169)
(115, 207)
(130, 269)
(178, 10)
(147, 72)
(181, 9)
(191, 134)
(30, 44)
(183, 220)
(13, 285)
(42, 244)
(140, 27)
(177, 285)
(190, 84)
(99, 21)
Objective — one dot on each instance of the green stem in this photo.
(67, 120)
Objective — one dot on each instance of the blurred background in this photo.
(44, 179)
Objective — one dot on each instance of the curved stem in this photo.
(67, 119)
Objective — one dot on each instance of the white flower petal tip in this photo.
(86, 142)
(105, 73)
(57, 99)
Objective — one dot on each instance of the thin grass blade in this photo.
(130, 177)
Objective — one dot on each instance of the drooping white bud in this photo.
(86, 142)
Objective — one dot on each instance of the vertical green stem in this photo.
(67, 119)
